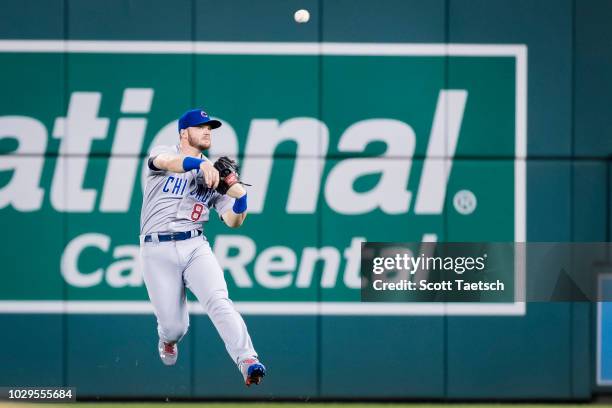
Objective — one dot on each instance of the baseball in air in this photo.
(301, 16)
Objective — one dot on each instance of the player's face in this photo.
(199, 136)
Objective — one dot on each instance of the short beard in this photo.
(198, 146)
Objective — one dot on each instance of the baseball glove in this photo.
(228, 174)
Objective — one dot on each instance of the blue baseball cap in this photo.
(196, 117)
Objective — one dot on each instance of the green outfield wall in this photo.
(369, 123)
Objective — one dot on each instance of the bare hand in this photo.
(211, 175)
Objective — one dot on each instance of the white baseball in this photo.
(301, 16)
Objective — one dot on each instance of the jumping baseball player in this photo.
(182, 187)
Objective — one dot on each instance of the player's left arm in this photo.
(235, 216)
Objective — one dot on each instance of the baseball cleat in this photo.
(168, 352)
(252, 371)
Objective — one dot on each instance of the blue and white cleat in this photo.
(168, 352)
(252, 371)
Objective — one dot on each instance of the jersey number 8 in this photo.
(197, 211)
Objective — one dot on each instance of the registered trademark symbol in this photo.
(465, 202)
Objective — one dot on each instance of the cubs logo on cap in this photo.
(196, 117)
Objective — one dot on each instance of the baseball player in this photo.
(182, 187)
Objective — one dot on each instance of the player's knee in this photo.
(175, 331)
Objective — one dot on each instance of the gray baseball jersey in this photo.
(176, 202)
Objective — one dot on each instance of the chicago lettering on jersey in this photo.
(174, 185)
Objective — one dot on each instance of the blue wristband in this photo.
(191, 163)
(240, 205)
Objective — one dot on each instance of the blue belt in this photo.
(174, 236)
